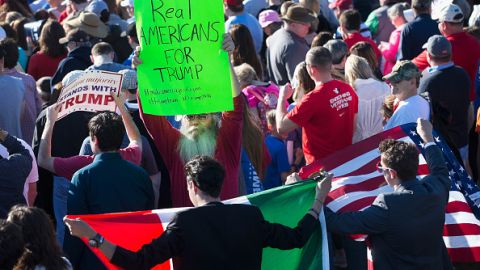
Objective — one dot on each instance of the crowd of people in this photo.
(309, 78)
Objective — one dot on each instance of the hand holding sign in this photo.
(183, 70)
(52, 112)
(90, 92)
(227, 43)
(136, 61)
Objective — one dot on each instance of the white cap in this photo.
(451, 13)
(127, 3)
(71, 77)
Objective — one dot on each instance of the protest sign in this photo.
(90, 92)
(184, 69)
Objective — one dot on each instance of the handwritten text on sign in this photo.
(90, 92)
(184, 70)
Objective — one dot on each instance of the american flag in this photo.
(356, 184)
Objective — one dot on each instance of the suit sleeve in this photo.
(438, 176)
(283, 237)
(372, 220)
(168, 245)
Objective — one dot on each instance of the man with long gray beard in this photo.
(214, 135)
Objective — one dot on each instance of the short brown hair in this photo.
(319, 57)
(350, 19)
(401, 157)
(102, 48)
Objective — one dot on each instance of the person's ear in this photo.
(393, 174)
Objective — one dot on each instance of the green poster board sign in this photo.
(184, 70)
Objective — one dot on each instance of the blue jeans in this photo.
(60, 195)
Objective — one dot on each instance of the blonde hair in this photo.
(245, 74)
(357, 67)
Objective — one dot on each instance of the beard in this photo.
(202, 145)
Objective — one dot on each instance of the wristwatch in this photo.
(96, 241)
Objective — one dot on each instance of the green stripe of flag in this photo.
(287, 205)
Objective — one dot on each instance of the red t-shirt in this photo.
(42, 65)
(67, 167)
(229, 140)
(326, 116)
(465, 53)
(354, 38)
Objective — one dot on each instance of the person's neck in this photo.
(420, 14)
(323, 79)
(131, 97)
(436, 64)
(292, 30)
(351, 32)
(406, 95)
(338, 66)
(453, 31)
(203, 200)
(101, 59)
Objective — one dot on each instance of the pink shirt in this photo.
(67, 167)
(389, 51)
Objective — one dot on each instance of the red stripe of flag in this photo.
(347, 154)
(457, 206)
(461, 229)
(367, 185)
(130, 230)
(466, 254)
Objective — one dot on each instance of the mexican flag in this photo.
(285, 205)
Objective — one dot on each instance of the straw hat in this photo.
(89, 23)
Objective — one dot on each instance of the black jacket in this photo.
(217, 236)
(78, 59)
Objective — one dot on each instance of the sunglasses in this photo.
(382, 169)
(196, 117)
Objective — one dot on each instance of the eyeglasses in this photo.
(196, 117)
(382, 169)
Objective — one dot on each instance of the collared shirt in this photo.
(440, 67)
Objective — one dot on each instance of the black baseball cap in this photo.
(76, 35)
(131, 31)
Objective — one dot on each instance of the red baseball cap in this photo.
(234, 2)
(341, 4)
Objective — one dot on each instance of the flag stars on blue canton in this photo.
(421, 145)
(437, 139)
(451, 172)
(413, 133)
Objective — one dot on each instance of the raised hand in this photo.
(424, 130)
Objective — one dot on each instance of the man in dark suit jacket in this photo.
(211, 235)
(405, 227)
